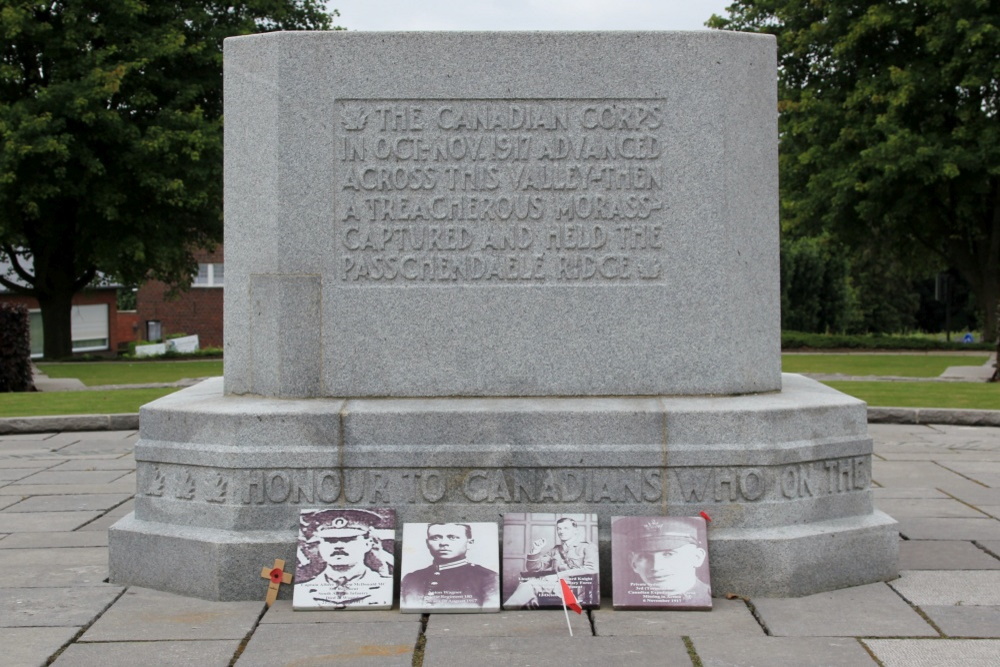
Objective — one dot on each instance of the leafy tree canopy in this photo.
(111, 135)
(889, 127)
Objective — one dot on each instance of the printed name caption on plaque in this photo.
(345, 559)
(450, 567)
(542, 548)
(660, 562)
(500, 192)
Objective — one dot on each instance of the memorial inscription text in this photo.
(499, 192)
(687, 485)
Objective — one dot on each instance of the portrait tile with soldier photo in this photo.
(345, 559)
(660, 562)
(539, 549)
(450, 567)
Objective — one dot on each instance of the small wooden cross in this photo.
(278, 576)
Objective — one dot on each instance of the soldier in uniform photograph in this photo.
(665, 563)
(358, 572)
(569, 559)
(451, 581)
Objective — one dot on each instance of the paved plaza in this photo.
(59, 493)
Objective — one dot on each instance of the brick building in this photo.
(196, 311)
(94, 318)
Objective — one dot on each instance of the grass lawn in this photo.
(94, 373)
(901, 365)
(963, 395)
(36, 404)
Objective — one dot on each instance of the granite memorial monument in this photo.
(479, 273)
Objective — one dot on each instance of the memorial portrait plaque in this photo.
(541, 548)
(450, 567)
(345, 559)
(660, 562)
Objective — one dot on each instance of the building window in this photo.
(154, 331)
(88, 329)
(209, 275)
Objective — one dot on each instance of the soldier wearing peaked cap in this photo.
(664, 554)
(358, 571)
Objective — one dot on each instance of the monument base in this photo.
(785, 477)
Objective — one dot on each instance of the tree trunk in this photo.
(57, 325)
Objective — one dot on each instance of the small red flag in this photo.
(569, 599)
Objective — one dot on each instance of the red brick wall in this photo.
(196, 311)
(126, 326)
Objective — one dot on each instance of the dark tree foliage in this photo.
(889, 127)
(15, 349)
(111, 136)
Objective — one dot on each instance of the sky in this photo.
(526, 14)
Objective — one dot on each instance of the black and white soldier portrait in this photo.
(345, 559)
(660, 563)
(451, 567)
(540, 549)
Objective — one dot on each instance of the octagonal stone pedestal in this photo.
(785, 477)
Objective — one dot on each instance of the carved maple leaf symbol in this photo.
(355, 120)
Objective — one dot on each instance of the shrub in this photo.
(797, 340)
(15, 349)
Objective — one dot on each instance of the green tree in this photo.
(111, 135)
(889, 126)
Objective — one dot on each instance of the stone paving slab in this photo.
(103, 523)
(14, 463)
(149, 654)
(899, 508)
(555, 650)
(55, 540)
(944, 457)
(46, 568)
(533, 623)
(48, 576)
(42, 522)
(912, 473)
(15, 474)
(907, 492)
(924, 653)
(944, 555)
(966, 621)
(71, 503)
(31, 647)
(865, 611)
(947, 529)
(974, 468)
(338, 644)
(124, 485)
(76, 606)
(75, 477)
(124, 462)
(281, 612)
(729, 617)
(972, 493)
(7, 501)
(946, 587)
(34, 437)
(146, 615)
(727, 651)
(97, 448)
